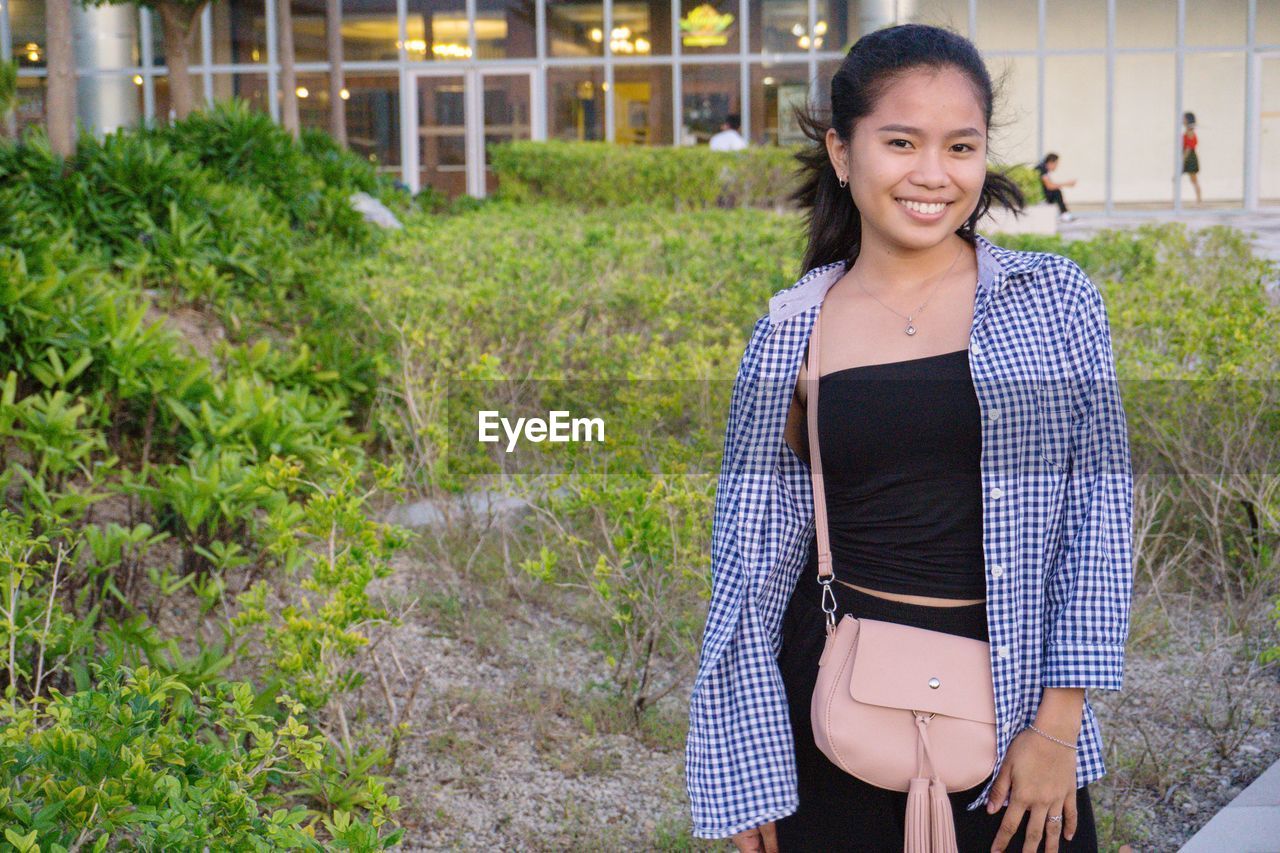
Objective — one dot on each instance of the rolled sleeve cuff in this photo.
(1100, 667)
(731, 829)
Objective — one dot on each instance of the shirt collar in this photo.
(997, 267)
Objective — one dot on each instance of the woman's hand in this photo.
(758, 839)
(1039, 776)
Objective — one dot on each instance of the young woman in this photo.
(977, 477)
(1053, 189)
(1190, 161)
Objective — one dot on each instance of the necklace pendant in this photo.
(911, 330)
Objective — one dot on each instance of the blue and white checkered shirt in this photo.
(1057, 503)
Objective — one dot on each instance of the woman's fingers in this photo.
(770, 834)
(1069, 817)
(1035, 829)
(749, 841)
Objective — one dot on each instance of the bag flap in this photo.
(894, 664)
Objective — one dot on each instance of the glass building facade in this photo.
(427, 83)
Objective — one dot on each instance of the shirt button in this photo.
(975, 348)
(994, 413)
(997, 570)
(1003, 652)
(997, 493)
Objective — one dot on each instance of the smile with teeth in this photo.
(927, 209)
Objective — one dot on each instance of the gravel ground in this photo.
(500, 754)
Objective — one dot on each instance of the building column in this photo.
(103, 39)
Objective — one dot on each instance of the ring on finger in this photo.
(1057, 818)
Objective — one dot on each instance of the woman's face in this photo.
(924, 144)
(1050, 165)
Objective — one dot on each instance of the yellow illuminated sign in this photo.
(705, 27)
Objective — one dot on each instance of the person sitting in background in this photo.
(1053, 189)
(729, 139)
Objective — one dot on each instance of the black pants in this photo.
(1055, 197)
(841, 812)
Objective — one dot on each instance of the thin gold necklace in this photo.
(911, 329)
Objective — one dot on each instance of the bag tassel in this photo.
(944, 827)
(918, 830)
(930, 825)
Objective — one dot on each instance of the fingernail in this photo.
(1069, 834)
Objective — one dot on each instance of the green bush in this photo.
(602, 174)
(101, 400)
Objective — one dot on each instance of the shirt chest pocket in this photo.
(1055, 422)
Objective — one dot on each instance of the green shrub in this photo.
(602, 174)
(143, 762)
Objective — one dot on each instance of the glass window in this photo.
(373, 118)
(1146, 23)
(783, 26)
(313, 99)
(370, 31)
(1267, 22)
(505, 29)
(247, 87)
(837, 27)
(1075, 127)
(1269, 155)
(709, 26)
(1007, 25)
(436, 30)
(309, 31)
(575, 28)
(1213, 89)
(642, 105)
(775, 90)
(710, 93)
(1012, 138)
(575, 103)
(1072, 24)
(641, 28)
(1145, 142)
(1223, 22)
(239, 32)
(26, 30)
(29, 109)
(949, 14)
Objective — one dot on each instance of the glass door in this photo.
(458, 114)
(441, 132)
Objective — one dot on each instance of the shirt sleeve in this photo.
(739, 400)
(1089, 587)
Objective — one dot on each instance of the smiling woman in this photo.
(940, 520)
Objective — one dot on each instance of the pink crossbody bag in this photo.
(899, 707)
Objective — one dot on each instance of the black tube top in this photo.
(901, 462)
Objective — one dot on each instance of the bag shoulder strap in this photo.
(812, 375)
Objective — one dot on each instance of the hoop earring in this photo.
(843, 183)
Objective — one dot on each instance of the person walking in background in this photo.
(729, 139)
(1190, 162)
(1053, 189)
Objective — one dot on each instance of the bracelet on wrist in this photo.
(1070, 746)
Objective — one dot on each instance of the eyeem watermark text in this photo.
(559, 427)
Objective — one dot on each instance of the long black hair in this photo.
(875, 62)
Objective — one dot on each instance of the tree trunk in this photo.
(337, 106)
(177, 20)
(60, 103)
(288, 75)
